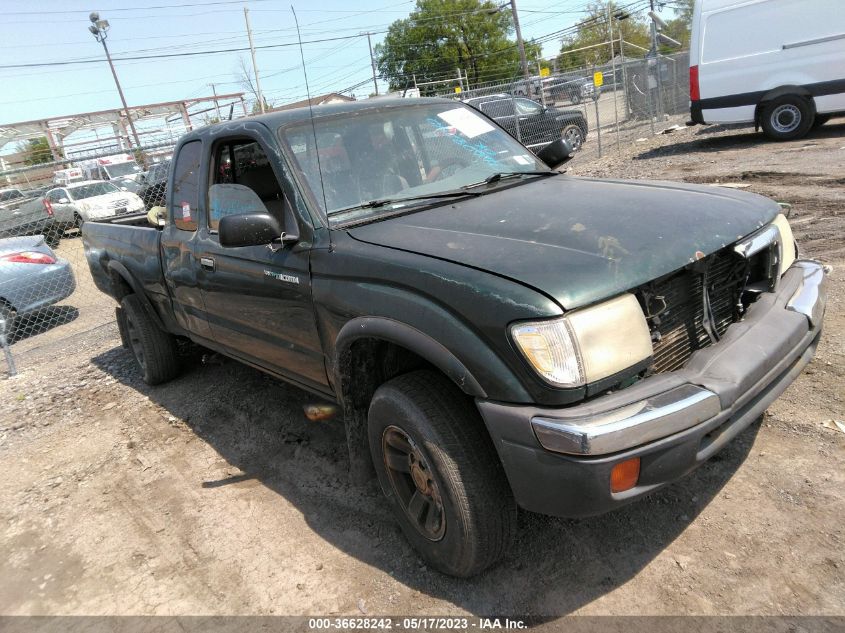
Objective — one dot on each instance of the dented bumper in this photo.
(559, 460)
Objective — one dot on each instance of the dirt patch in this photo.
(214, 495)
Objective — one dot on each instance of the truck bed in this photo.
(130, 242)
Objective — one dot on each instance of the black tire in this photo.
(78, 221)
(575, 98)
(449, 451)
(574, 134)
(154, 350)
(787, 118)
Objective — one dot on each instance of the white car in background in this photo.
(90, 200)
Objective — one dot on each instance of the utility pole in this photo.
(372, 62)
(523, 61)
(216, 102)
(99, 29)
(254, 65)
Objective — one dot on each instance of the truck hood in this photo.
(578, 240)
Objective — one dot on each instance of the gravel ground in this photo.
(214, 495)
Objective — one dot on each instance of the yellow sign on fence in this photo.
(598, 79)
(544, 72)
(457, 89)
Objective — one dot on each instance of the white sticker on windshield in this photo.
(522, 160)
(466, 122)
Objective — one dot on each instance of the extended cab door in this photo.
(179, 237)
(258, 298)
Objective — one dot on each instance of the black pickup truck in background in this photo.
(498, 334)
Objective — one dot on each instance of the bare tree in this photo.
(246, 79)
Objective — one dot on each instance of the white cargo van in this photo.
(779, 64)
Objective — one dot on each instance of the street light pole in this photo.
(99, 29)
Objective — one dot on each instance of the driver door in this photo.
(258, 298)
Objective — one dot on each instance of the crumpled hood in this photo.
(579, 240)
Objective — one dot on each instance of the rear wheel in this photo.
(786, 118)
(440, 473)
(154, 350)
(575, 98)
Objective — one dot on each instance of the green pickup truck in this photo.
(497, 334)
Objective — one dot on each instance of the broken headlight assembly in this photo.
(586, 345)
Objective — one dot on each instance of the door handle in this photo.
(207, 263)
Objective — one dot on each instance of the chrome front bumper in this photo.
(716, 380)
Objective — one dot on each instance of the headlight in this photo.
(787, 242)
(586, 345)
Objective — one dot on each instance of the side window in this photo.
(185, 196)
(245, 163)
(496, 109)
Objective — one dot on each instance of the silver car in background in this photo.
(31, 277)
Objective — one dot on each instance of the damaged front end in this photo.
(692, 308)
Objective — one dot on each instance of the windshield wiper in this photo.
(502, 175)
(381, 202)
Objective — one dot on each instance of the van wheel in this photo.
(787, 118)
(440, 473)
(154, 350)
(575, 98)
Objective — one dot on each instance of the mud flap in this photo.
(361, 469)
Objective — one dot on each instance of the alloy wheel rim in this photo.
(786, 118)
(413, 483)
(574, 138)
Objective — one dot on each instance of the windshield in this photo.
(91, 190)
(122, 169)
(401, 152)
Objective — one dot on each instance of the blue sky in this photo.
(56, 30)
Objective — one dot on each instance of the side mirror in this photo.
(250, 229)
(64, 201)
(556, 153)
(245, 218)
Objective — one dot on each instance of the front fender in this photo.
(412, 339)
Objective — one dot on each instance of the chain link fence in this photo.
(638, 95)
(46, 290)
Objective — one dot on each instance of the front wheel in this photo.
(786, 118)
(440, 473)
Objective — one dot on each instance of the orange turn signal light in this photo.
(625, 475)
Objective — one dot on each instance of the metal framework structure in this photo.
(57, 129)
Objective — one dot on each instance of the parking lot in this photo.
(214, 495)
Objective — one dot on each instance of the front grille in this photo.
(119, 203)
(675, 305)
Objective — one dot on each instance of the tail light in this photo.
(694, 92)
(28, 257)
(48, 206)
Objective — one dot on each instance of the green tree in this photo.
(679, 27)
(440, 36)
(595, 29)
(36, 151)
